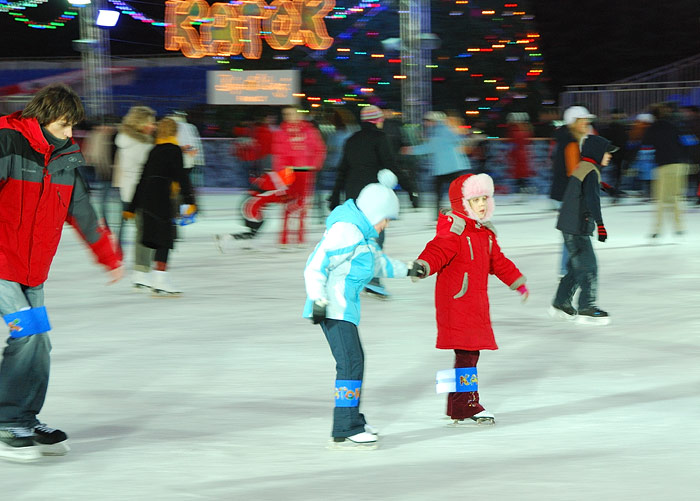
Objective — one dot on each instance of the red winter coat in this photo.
(463, 254)
(298, 145)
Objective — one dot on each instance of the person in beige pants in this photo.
(667, 189)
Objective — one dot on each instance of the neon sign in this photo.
(229, 29)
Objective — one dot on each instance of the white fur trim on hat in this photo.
(478, 185)
(387, 178)
(377, 202)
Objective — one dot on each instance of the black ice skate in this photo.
(563, 312)
(51, 442)
(359, 441)
(17, 444)
(593, 316)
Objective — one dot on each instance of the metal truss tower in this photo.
(94, 46)
(416, 89)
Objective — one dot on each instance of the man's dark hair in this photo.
(55, 102)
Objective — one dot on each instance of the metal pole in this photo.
(416, 88)
(97, 80)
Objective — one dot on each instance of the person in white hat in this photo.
(337, 271)
(567, 155)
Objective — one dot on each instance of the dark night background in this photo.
(591, 41)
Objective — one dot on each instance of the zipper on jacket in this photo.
(471, 250)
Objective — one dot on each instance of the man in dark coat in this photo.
(579, 215)
(365, 153)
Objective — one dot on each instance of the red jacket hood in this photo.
(29, 128)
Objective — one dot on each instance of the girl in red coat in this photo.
(463, 254)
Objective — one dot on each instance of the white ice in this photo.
(226, 392)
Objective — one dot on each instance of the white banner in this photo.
(268, 87)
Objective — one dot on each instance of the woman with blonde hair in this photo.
(134, 142)
(153, 198)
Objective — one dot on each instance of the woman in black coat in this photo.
(154, 198)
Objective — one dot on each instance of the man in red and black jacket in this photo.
(40, 189)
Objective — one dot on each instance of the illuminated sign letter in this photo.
(313, 28)
(220, 37)
(282, 27)
(179, 32)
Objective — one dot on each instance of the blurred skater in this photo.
(464, 253)
(134, 142)
(155, 200)
(297, 145)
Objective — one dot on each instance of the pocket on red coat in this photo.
(464, 288)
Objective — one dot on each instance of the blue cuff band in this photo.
(347, 392)
(28, 322)
(466, 379)
(462, 379)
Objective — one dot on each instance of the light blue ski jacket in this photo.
(444, 147)
(344, 262)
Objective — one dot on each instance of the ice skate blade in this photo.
(585, 320)
(461, 423)
(19, 454)
(157, 293)
(560, 315)
(59, 449)
(349, 445)
(140, 288)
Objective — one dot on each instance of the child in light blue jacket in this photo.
(341, 265)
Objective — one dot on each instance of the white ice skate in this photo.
(229, 242)
(359, 441)
(140, 280)
(484, 418)
(17, 444)
(161, 285)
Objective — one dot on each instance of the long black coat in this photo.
(366, 153)
(153, 195)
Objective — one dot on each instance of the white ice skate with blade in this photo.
(161, 285)
(484, 418)
(359, 441)
(17, 444)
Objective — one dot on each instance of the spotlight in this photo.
(107, 18)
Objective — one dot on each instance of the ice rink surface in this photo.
(226, 392)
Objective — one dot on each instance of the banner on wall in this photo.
(265, 87)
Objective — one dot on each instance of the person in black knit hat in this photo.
(579, 215)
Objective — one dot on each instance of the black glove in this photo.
(602, 233)
(416, 270)
(319, 311)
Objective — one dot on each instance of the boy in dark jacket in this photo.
(40, 189)
(579, 215)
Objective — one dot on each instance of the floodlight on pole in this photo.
(107, 18)
(79, 2)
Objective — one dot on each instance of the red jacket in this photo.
(298, 145)
(40, 189)
(463, 254)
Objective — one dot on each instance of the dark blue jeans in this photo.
(344, 341)
(581, 271)
(24, 371)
